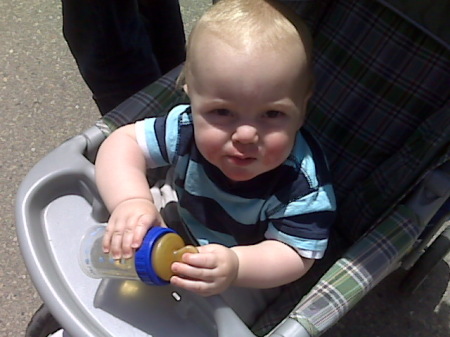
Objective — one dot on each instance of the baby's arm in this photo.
(267, 264)
(120, 172)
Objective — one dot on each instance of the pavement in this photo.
(44, 101)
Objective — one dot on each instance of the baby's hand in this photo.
(209, 272)
(127, 226)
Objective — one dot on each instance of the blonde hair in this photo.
(263, 24)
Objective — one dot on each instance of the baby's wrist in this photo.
(235, 263)
(133, 200)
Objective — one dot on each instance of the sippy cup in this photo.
(151, 263)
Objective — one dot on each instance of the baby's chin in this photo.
(240, 176)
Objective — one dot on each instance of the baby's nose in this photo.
(246, 134)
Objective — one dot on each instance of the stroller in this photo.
(381, 112)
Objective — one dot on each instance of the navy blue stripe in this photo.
(322, 172)
(160, 132)
(314, 226)
(213, 216)
(280, 180)
(185, 140)
(293, 185)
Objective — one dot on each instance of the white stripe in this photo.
(142, 142)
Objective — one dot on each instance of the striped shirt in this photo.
(293, 203)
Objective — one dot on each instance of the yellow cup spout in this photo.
(167, 250)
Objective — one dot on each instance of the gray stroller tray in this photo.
(59, 201)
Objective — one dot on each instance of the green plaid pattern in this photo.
(155, 100)
(381, 112)
(363, 266)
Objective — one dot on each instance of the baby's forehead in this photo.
(244, 42)
(214, 52)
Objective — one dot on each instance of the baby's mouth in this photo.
(241, 160)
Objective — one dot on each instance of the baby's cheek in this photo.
(277, 149)
(210, 146)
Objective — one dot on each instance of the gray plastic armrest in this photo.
(290, 328)
(68, 159)
(227, 321)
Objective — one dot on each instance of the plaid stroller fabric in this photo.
(379, 80)
(154, 100)
(381, 112)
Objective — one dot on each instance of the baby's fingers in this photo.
(193, 273)
(144, 223)
(118, 237)
(107, 237)
(199, 287)
(204, 261)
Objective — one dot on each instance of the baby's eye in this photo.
(222, 112)
(273, 114)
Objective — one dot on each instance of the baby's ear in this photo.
(306, 101)
(185, 88)
(304, 109)
(308, 97)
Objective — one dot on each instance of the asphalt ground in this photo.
(44, 101)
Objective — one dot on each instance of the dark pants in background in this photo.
(121, 46)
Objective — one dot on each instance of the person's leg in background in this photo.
(117, 48)
(165, 26)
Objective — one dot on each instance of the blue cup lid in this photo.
(143, 257)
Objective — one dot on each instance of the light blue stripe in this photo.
(186, 119)
(242, 210)
(296, 242)
(173, 131)
(321, 200)
(302, 156)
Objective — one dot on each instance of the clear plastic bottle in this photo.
(150, 264)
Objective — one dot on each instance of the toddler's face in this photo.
(247, 105)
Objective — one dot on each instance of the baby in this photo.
(253, 187)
